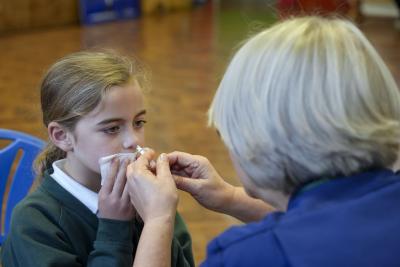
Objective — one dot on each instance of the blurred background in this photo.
(185, 44)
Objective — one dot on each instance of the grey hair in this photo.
(306, 99)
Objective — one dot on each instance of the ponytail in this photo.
(46, 158)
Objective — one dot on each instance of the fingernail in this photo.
(162, 156)
(140, 150)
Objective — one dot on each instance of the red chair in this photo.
(313, 7)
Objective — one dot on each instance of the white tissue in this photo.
(105, 163)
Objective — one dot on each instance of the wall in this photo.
(31, 14)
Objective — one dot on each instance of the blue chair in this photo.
(23, 177)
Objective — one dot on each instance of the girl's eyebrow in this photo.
(140, 113)
(106, 121)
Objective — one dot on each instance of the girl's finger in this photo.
(120, 180)
(125, 194)
(144, 163)
(163, 166)
(111, 175)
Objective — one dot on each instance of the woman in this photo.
(311, 117)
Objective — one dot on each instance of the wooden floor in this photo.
(186, 52)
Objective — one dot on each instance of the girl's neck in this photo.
(82, 174)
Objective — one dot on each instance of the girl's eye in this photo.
(139, 124)
(112, 130)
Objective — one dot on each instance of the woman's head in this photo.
(82, 88)
(308, 98)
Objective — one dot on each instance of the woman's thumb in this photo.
(189, 185)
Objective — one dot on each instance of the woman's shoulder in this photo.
(251, 231)
(253, 244)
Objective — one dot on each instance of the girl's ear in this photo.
(60, 137)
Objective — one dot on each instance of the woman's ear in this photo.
(60, 137)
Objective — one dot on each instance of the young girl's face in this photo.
(116, 125)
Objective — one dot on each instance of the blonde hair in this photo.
(306, 99)
(74, 86)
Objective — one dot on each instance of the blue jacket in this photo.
(352, 221)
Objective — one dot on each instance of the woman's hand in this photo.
(195, 175)
(152, 191)
(114, 200)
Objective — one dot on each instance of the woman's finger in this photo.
(189, 185)
(179, 159)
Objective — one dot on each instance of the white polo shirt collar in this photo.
(83, 194)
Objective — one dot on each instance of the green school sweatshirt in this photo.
(50, 227)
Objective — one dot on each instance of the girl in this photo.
(92, 107)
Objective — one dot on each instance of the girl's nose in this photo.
(130, 141)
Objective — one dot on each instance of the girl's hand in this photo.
(152, 192)
(114, 201)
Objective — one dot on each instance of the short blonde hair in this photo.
(306, 99)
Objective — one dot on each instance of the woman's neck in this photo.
(396, 165)
(275, 198)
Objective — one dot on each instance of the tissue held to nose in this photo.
(105, 162)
